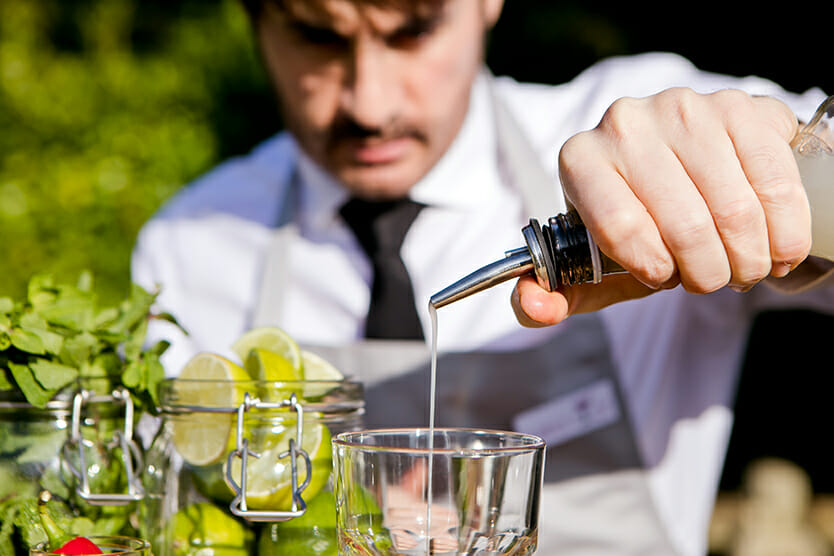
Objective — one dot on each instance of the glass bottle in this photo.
(235, 490)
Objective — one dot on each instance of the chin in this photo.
(381, 182)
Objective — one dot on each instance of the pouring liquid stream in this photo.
(432, 389)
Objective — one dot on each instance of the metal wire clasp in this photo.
(130, 454)
(238, 505)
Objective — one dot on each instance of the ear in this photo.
(492, 10)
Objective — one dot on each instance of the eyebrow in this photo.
(414, 23)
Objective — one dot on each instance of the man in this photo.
(693, 190)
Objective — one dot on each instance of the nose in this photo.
(369, 94)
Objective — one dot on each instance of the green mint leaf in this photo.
(34, 393)
(5, 341)
(34, 323)
(168, 317)
(80, 348)
(53, 480)
(6, 305)
(52, 342)
(27, 341)
(52, 376)
(70, 311)
(155, 374)
(134, 344)
(5, 382)
(133, 310)
(8, 513)
(104, 317)
(43, 448)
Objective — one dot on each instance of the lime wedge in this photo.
(269, 338)
(312, 534)
(204, 438)
(269, 478)
(203, 528)
(263, 364)
(317, 368)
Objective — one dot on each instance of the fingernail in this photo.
(780, 270)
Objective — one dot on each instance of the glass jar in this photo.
(80, 448)
(242, 467)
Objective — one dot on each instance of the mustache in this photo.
(346, 129)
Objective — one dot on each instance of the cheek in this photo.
(441, 85)
(308, 91)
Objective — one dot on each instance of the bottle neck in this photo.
(573, 256)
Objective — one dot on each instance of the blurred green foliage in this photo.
(106, 108)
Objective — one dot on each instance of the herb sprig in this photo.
(59, 334)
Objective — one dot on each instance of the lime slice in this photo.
(316, 368)
(269, 478)
(203, 528)
(269, 338)
(205, 438)
(263, 364)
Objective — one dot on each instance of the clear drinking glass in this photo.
(126, 546)
(471, 492)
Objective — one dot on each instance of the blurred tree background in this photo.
(107, 107)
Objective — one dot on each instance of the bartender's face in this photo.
(375, 90)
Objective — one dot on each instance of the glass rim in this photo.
(124, 544)
(529, 442)
(343, 396)
(344, 381)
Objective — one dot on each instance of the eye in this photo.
(318, 35)
(413, 33)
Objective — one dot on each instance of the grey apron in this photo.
(595, 499)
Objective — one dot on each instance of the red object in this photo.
(79, 546)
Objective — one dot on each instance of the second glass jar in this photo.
(241, 468)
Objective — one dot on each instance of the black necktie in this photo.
(380, 228)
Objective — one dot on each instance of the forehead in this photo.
(335, 11)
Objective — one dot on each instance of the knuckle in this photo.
(772, 177)
(732, 98)
(574, 151)
(621, 227)
(622, 119)
(684, 105)
(706, 282)
(739, 219)
(754, 271)
(791, 249)
(688, 232)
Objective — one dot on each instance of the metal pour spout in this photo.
(559, 254)
(517, 262)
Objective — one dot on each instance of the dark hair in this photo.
(255, 7)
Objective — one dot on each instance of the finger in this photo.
(706, 151)
(773, 174)
(618, 221)
(535, 307)
(658, 179)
